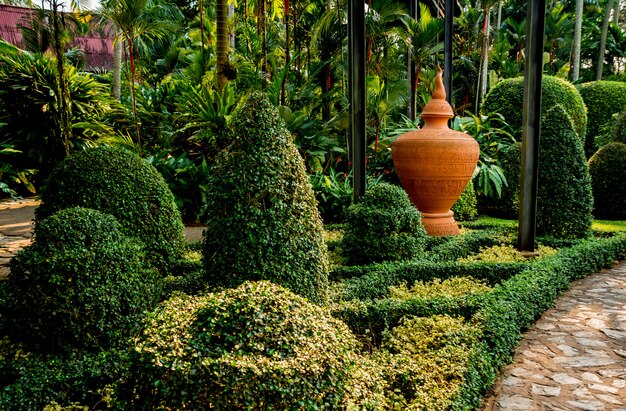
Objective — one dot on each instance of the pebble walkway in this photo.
(574, 357)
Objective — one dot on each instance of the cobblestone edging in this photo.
(574, 357)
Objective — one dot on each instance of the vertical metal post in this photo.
(531, 126)
(356, 87)
(447, 49)
(413, 5)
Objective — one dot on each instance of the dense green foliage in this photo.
(564, 198)
(608, 181)
(81, 285)
(603, 99)
(465, 207)
(258, 346)
(119, 183)
(263, 222)
(618, 131)
(383, 226)
(508, 204)
(29, 109)
(506, 98)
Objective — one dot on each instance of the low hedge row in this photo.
(373, 284)
(513, 306)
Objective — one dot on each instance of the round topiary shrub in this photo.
(508, 203)
(82, 284)
(383, 226)
(564, 199)
(263, 218)
(119, 183)
(603, 99)
(465, 207)
(258, 346)
(608, 181)
(507, 97)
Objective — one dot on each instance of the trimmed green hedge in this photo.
(514, 305)
(465, 207)
(507, 96)
(122, 184)
(603, 99)
(608, 181)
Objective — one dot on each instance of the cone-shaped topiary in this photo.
(82, 284)
(263, 218)
(564, 199)
(603, 99)
(258, 346)
(507, 96)
(608, 181)
(119, 183)
(384, 226)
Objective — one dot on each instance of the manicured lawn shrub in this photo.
(465, 207)
(506, 254)
(506, 98)
(619, 130)
(263, 222)
(603, 99)
(383, 226)
(608, 181)
(119, 183)
(82, 285)
(508, 204)
(564, 198)
(258, 346)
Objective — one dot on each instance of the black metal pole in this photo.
(447, 49)
(531, 125)
(356, 87)
(413, 4)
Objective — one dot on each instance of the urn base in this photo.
(440, 224)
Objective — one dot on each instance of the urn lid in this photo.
(438, 106)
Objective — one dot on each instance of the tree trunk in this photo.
(131, 53)
(263, 35)
(287, 51)
(578, 24)
(605, 30)
(616, 12)
(499, 18)
(118, 50)
(484, 58)
(64, 100)
(201, 12)
(221, 11)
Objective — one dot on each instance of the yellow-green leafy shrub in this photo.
(450, 288)
(427, 361)
(258, 346)
(505, 254)
(465, 207)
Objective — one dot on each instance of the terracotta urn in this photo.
(435, 164)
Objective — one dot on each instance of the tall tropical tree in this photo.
(221, 11)
(576, 41)
(603, 35)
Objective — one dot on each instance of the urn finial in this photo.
(440, 90)
(437, 111)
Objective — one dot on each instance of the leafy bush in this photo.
(608, 181)
(263, 222)
(465, 207)
(429, 360)
(187, 179)
(30, 114)
(258, 346)
(505, 254)
(603, 99)
(452, 287)
(508, 205)
(384, 226)
(119, 183)
(564, 199)
(81, 284)
(619, 130)
(506, 98)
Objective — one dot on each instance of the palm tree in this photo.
(221, 12)
(578, 25)
(133, 20)
(605, 30)
(422, 41)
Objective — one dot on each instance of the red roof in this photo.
(97, 44)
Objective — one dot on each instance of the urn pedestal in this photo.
(435, 164)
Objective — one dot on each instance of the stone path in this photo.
(574, 357)
(16, 229)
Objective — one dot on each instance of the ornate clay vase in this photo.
(435, 164)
